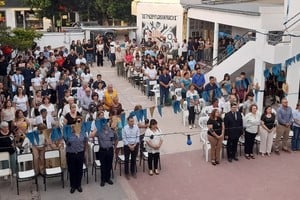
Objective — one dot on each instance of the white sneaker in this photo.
(194, 126)
(190, 126)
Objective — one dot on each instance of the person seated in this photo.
(73, 116)
(109, 94)
(67, 107)
(116, 108)
(45, 119)
(38, 150)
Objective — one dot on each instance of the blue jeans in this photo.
(164, 94)
(89, 57)
(296, 138)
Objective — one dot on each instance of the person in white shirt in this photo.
(67, 107)
(153, 140)
(251, 123)
(48, 106)
(86, 75)
(52, 83)
(45, 118)
(37, 81)
(80, 60)
(175, 47)
(112, 51)
(184, 49)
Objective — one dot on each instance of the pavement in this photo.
(184, 175)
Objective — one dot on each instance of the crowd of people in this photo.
(49, 88)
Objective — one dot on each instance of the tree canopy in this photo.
(19, 39)
(89, 9)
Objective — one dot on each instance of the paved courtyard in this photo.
(185, 175)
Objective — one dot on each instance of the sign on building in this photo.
(158, 27)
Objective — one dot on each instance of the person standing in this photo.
(106, 138)
(215, 135)
(267, 131)
(284, 118)
(251, 123)
(296, 129)
(164, 83)
(153, 141)
(131, 137)
(233, 122)
(76, 145)
(193, 101)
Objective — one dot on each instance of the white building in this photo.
(207, 18)
(158, 19)
(262, 17)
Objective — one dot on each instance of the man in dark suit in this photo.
(233, 121)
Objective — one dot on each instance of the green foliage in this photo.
(89, 9)
(20, 39)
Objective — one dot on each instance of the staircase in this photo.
(238, 59)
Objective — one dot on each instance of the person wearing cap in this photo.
(7, 145)
(233, 122)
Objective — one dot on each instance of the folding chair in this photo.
(96, 162)
(25, 175)
(120, 158)
(4, 157)
(53, 171)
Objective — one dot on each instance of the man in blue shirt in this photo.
(131, 139)
(164, 85)
(285, 118)
(198, 80)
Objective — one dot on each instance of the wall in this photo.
(59, 39)
(169, 24)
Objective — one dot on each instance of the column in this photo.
(260, 66)
(259, 80)
(187, 28)
(216, 43)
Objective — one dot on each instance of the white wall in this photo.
(10, 18)
(59, 39)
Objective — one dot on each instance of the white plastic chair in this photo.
(203, 136)
(4, 156)
(185, 113)
(56, 171)
(25, 175)
(206, 145)
(156, 92)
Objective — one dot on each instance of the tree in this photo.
(18, 39)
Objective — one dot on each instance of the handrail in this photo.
(287, 21)
(224, 52)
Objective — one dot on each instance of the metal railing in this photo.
(241, 41)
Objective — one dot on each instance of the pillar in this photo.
(259, 80)
(260, 66)
(187, 28)
(216, 43)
